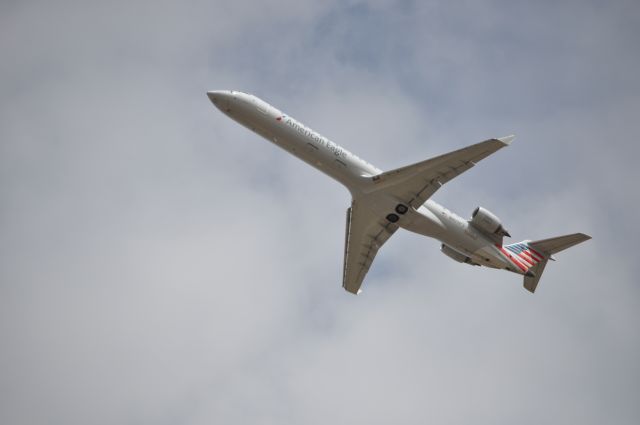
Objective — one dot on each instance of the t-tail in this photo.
(532, 256)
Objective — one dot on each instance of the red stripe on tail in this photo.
(536, 253)
(529, 257)
(513, 259)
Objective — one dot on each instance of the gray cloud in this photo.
(160, 264)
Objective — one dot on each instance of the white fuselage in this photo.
(431, 219)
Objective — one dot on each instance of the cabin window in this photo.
(262, 108)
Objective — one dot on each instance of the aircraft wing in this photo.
(365, 234)
(416, 183)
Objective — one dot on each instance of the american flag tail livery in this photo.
(531, 256)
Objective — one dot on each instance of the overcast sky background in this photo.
(160, 264)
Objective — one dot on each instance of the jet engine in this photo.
(452, 253)
(486, 221)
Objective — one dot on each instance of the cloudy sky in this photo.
(160, 264)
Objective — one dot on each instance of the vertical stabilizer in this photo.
(535, 272)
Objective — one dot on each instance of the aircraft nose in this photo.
(215, 95)
(220, 98)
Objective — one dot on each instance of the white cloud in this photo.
(161, 264)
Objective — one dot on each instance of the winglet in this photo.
(507, 139)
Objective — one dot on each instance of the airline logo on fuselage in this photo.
(315, 137)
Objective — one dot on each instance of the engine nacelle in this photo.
(487, 222)
(452, 253)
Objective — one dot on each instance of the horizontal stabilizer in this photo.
(553, 245)
(548, 247)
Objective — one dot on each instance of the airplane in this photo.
(384, 201)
